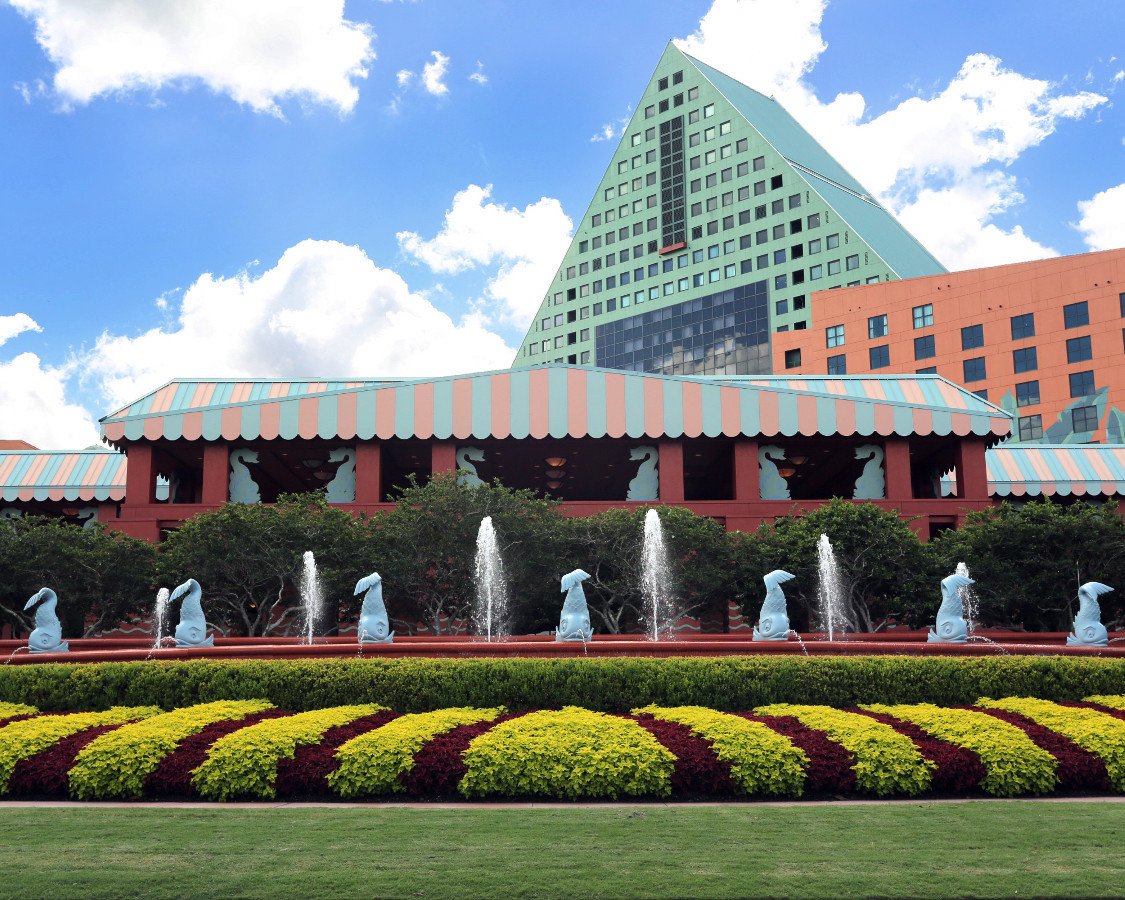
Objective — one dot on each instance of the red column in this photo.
(368, 473)
(216, 474)
(443, 456)
(745, 471)
(140, 476)
(671, 471)
(897, 461)
(972, 471)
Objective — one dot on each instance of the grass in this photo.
(993, 849)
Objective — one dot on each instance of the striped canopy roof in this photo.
(66, 475)
(1047, 470)
(556, 401)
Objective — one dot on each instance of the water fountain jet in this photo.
(833, 611)
(312, 597)
(490, 612)
(656, 580)
(159, 617)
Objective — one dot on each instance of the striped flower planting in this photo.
(246, 749)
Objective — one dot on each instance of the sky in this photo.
(297, 188)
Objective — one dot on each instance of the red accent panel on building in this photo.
(672, 248)
(671, 469)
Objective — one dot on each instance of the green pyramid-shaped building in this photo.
(717, 218)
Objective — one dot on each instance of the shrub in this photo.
(1114, 701)
(1097, 732)
(25, 738)
(375, 763)
(732, 683)
(570, 753)
(244, 764)
(886, 762)
(761, 760)
(117, 763)
(1014, 764)
(11, 710)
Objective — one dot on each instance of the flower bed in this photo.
(247, 749)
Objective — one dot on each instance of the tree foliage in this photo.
(248, 559)
(1029, 560)
(882, 563)
(100, 576)
(425, 550)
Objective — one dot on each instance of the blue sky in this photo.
(219, 189)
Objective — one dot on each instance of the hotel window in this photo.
(834, 336)
(1084, 418)
(662, 84)
(1075, 315)
(763, 261)
(794, 201)
(877, 326)
(559, 319)
(709, 110)
(1121, 300)
(924, 346)
(834, 267)
(693, 93)
(879, 357)
(815, 246)
(781, 307)
(709, 133)
(740, 145)
(596, 220)
(597, 309)
(852, 262)
(832, 241)
(972, 336)
(724, 127)
(778, 256)
(1027, 393)
(1081, 384)
(759, 163)
(780, 282)
(1078, 349)
(777, 206)
(1031, 428)
(974, 369)
(759, 188)
(743, 169)
(813, 221)
(793, 358)
(545, 324)
(838, 365)
(775, 182)
(923, 315)
(982, 393)
(799, 302)
(1023, 326)
(532, 349)
(928, 370)
(799, 277)
(816, 273)
(585, 357)
(1024, 360)
(709, 157)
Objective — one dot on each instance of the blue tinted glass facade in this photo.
(725, 333)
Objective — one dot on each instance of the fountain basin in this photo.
(545, 646)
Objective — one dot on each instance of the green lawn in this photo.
(993, 849)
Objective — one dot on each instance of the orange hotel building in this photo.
(1044, 340)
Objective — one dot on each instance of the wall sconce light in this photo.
(555, 462)
(798, 460)
(554, 485)
(554, 473)
(786, 471)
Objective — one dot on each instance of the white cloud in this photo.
(610, 130)
(478, 76)
(325, 309)
(403, 77)
(944, 154)
(1102, 221)
(258, 52)
(433, 72)
(527, 245)
(33, 405)
(15, 325)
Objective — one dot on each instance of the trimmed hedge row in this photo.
(1003, 747)
(606, 685)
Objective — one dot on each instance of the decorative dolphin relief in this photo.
(192, 629)
(1088, 628)
(773, 620)
(47, 636)
(951, 626)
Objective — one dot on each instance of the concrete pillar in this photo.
(972, 471)
(216, 474)
(368, 473)
(897, 461)
(140, 475)
(671, 470)
(744, 462)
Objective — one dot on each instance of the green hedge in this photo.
(610, 685)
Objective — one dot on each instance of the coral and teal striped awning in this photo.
(70, 475)
(556, 401)
(1049, 470)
